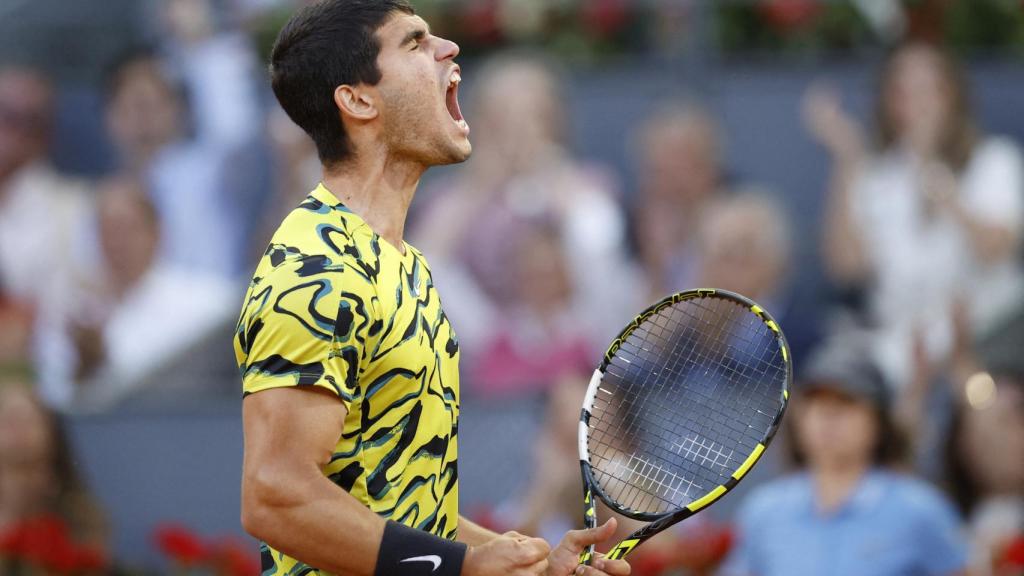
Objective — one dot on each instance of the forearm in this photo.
(314, 521)
(473, 534)
(844, 252)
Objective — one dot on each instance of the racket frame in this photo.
(659, 522)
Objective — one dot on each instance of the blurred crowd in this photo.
(905, 441)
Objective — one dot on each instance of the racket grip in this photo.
(589, 521)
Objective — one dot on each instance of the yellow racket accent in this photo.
(624, 547)
(590, 505)
(707, 499)
(745, 467)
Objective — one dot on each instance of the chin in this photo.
(454, 153)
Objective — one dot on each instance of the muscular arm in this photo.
(287, 502)
(474, 534)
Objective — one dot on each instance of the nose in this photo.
(446, 49)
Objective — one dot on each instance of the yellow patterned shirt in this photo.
(333, 305)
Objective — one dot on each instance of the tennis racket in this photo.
(682, 406)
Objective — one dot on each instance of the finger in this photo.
(612, 567)
(579, 539)
(532, 551)
(590, 571)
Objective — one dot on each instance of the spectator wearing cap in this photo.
(846, 511)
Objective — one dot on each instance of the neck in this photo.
(835, 482)
(379, 190)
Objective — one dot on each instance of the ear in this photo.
(356, 102)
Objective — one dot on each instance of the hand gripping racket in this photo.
(685, 401)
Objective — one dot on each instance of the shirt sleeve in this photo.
(994, 184)
(307, 332)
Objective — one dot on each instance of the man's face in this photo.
(144, 114)
(418, 92)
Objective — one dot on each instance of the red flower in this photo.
(180, 544)
(45, 542)
(235, 558)
(605, 17)
(1012, 555)
(790, 14)
(706, 549)
(479, 21)
(89, 559)
(11, 541)
(647, 563)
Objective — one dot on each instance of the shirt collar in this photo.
(866, 495)
(330, 202)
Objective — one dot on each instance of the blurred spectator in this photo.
(43, 216)
(537, 339)
(552, 501)
(522, 171)
(186, 150)
(986, 449)
(37, 469)
(680, 167)
(297, 170)
(846, 511)
(146, 312)
(15, 331)
(937, 212)
(743, 243)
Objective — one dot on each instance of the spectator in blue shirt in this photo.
(845, 512)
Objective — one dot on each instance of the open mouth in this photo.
(452, 100)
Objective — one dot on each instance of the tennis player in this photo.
(349, 364)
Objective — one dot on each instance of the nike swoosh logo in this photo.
(433, 559)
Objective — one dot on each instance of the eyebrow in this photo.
(416, 34)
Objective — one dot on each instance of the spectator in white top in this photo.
(935, 214)
(43, 215)
(146, 312)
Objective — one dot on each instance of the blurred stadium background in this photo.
(625, 149)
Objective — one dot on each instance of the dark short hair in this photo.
(891, 449)
(323, 46)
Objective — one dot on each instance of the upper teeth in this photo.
(455, 79)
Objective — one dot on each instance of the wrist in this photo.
(405, 551)
(469, 561)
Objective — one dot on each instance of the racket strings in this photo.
(685, 399)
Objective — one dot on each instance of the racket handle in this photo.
(589, 521)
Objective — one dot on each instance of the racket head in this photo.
(683, 404)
